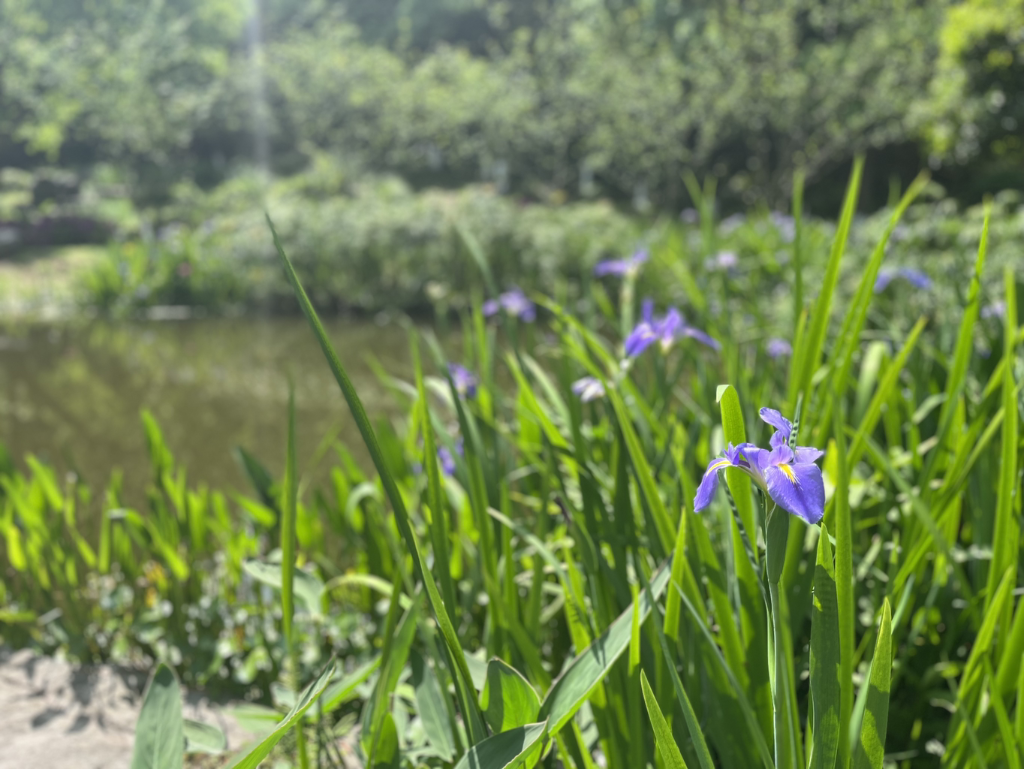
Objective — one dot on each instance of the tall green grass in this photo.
(556, 602)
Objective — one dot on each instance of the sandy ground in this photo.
(57, 716)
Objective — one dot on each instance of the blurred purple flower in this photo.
(778, 348)
(447, 459)
(689, 216)
(629, 266)
(915, 277)
(515, 303)
(588, 388)
(723, 260)
(665, 329)
(995, 310)
(464, 379)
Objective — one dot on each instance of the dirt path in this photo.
(57, 716)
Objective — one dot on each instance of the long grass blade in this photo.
(663, 739)
(473, 717)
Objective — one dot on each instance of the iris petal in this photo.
(708, 486)
(776, 420)
(806, 455)
(700, 336)
(798, 489)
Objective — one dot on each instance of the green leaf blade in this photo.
(503, 749)
(589, 668)
(826, 671)
(870, 748)
(159, 734)
(663, 739)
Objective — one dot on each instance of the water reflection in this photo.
(72, 394)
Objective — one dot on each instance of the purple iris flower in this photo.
(778, 348)
(789, 476)
(915, 277)
(665, 330)
(447, 459)
(464, 379)
(515, 303)
(588, 388)
(629, 266)
(742, 457)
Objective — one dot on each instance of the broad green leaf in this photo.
(398, 638)
(826, 690)
(253, 718)
(787, 746)
(355, 404)
(431, 706)
(204, 738)
(571, 689)
(503, 749)
(663, 739)
(310, 695)
(260, 478)
(870, 748)
(700, 745)
(736, 433)
(691, 720)
(508, 700)
(387, 755)
(340, 691)
(159, 734)
(370, 581)
(308, 587)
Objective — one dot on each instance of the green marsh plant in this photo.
(534, 585)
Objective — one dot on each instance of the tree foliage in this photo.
(571, 98)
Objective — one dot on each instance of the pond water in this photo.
(72, 394)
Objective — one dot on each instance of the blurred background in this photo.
(141, 143)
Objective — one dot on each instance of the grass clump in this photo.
(531, 580)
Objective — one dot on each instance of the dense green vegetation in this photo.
(524, 575)
(538, 563)
(585, 98)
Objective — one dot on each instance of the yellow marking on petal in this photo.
(719, 465)
(788, 472)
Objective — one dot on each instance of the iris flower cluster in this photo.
(665, 330)
(788, 475)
